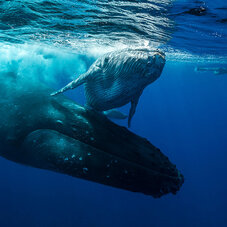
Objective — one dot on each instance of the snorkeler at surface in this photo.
(215, 70)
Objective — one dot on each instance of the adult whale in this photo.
(54, 133)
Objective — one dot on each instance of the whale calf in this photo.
(118, 78)
(56, 134)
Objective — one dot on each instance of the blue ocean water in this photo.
(183, 113)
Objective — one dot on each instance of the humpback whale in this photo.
(118, 78)
(56, 134)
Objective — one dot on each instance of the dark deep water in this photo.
(183, 112)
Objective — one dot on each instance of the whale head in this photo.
(155, 65)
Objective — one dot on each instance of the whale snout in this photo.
(155, 64)
(156, 61)
(159, 59)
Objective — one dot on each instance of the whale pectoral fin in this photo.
(132, 111)
(115, 114)
(128, 162)
(51, 150)
(216, 72)
(74, 84)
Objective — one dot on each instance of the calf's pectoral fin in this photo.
(115, 114)
(74, 84)
(132, 111)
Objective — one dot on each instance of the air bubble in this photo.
(59, 122)
(85, 170)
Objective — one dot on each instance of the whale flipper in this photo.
(55, 151)
(73, 84)
(132, 111)
(115, 114)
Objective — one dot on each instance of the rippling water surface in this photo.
(106, 25)
(76, 23)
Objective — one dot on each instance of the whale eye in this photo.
(150, 60)
(106, 59)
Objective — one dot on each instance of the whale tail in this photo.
(74, 84)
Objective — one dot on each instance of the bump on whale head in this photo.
(155, 64)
